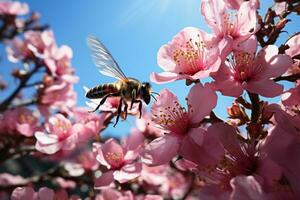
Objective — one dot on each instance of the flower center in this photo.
(114, 159)
(174, 118)
(242, 65)
(26, 119)
(190, 56)
(229, 24)
(63, 130)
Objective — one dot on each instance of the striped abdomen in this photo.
(101, 90)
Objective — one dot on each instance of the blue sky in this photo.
(133, 30)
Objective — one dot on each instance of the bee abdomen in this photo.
(101, 90)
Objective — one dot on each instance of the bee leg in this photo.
(102, 101)
(133, 98)
(125, 109)
(140, 106)
(119, 111)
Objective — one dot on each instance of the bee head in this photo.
(146, 92)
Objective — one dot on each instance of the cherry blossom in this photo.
(13, 8)
(254, 73)
(60, 134)
(177, 122)
(294, 51)
(190, 55)
(120, 162)
(20, 120)
(231, 29)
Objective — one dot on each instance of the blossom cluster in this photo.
(174, 151)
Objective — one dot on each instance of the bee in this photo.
(128, 89)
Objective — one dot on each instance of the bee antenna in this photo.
(155, 93)
(153, 97)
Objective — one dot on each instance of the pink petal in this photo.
(163, 77)
(225, 45)
(45, 139)
(111, 146)
(134, 140)
(153, 197)
(234, 4)
(104, 180)
(99, 155)
(165, 99)
(294, 44)
(128, 172)
(48, 149)
(282, 146)
(201, 101)
(161, 150)
(213, 11)
(226, 134)
(110, 194)
(250, 45)
(247, 20)
(277, 66)
(266, 88)
(23, 193)
(25, 129)
(46, 193)
(209, 151)
(246, 188)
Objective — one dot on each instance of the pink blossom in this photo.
(292, 96)
(44, 193)
(120, 162)
(20, 120)
(17, 49)
(56, 95)
(58, 61)
(39, 42)
(112, 194)
(91, 121)
(27, 193)
(63, 183)
(190, 55)
(294, 52)
(154, 175)
(175, 186)
(245, 71)
(280, 7)
(284, 140)
(242, 158)
(60, 134)
(147, 127)
(87, 160)
(177, 122)
(13, 8)
(246, 187)
(230, 29)
(9, 180)
(34, 44)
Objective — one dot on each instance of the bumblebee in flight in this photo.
(128, 89)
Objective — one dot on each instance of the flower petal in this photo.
(46, 193)
(104, 180)
(45, 139)
(266, 88)
(163, 77)
(161, 150)
(246, 188)
(201, 100)
(128, 172)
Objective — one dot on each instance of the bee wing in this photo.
(104, 60)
